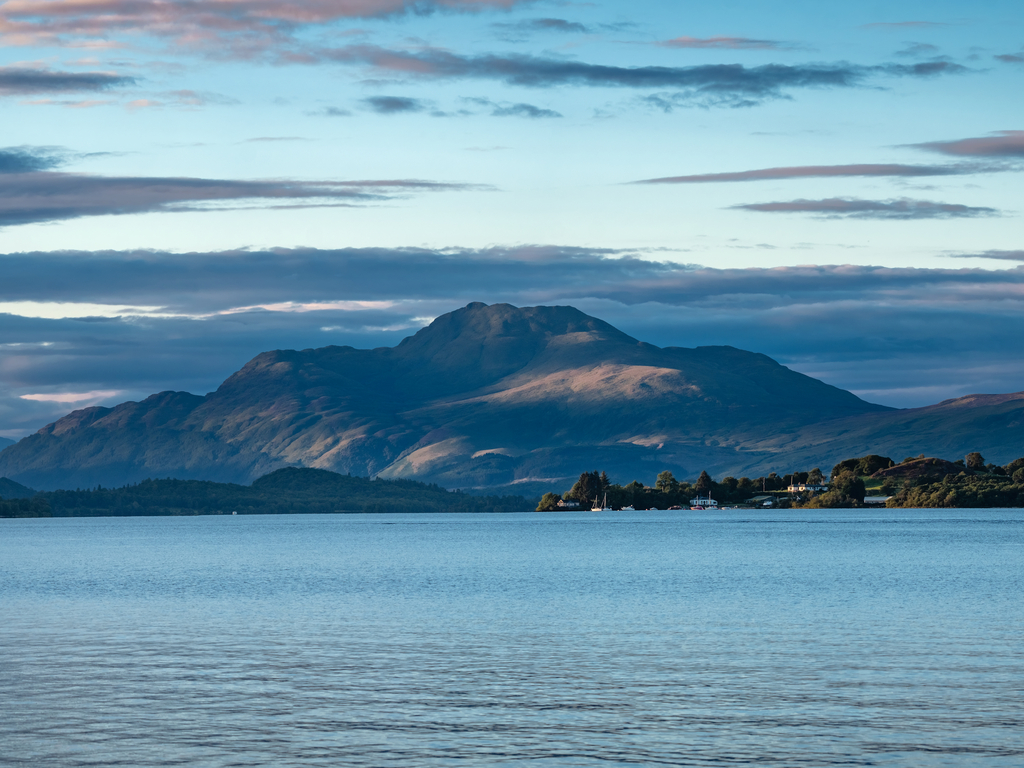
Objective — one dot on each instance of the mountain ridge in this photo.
(491, 396)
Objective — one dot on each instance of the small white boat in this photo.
(702, 504)
(602, 507)
(628, 509)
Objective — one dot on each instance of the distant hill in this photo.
(12, 490)
(491, 396)
(285, 491)
(5, 441)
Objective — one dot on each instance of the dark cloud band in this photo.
(723, 81)
(21, 81)
(1004, 144)
(852, 208)
(27, 198)
(825, 171)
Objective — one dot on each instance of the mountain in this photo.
(5, 441)
(491, 396)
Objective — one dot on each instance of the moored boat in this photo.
(702, 504)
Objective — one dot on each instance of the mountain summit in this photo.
(484, 396)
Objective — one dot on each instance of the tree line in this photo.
(913, 482)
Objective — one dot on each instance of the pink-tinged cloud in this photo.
(903, 209)
(820, 171)
(999, 144)
(728, 43)
(257, 23)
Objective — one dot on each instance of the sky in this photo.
(185, 185)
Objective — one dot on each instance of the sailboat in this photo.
(602, 507)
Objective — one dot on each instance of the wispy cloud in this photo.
(40, 196)
(914, 50)
(999, 144)
(518, 29)
(332, 112)
(725, 43)
(728, 84)
(851, 208)
(393, 105)
(511, 109)
(996, 255)
(27, 81)
(827, 171)
(1010, 58)
(903, 25)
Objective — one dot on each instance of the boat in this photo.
(602, 507)
(628, 509)
(700, 503)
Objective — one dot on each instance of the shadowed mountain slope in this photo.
(485, 396)
(12, 490)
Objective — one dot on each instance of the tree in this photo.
(975, 461)
(1018, 476)
(635, 491)
(847, 485)
(666, 482)
(587, 488)
(814, 477)
(704, 484)
(867, 465)
(1013, 466)
(605, 482)
(549, 502)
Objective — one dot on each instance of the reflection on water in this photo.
(819, 638)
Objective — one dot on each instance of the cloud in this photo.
(903, 25)
(902, 336)
(524, 110)
(918, 49)
(998, 144)
(509, 109)
(27, 198)
(26, 81)
(825, 171)
(190, 98)
(393, 105)
(72, 103)
(529, 26)
(997, 255)
(1010, 58)
(224, 27)
(28, 159)
(72, 397)
(727, 43)
(332, 112)
(268, 139)
(851, 208)
(714, 84)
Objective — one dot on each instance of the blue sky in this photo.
(184, 186)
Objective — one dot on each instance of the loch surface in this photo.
(818, 638)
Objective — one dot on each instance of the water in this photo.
(825, 638)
